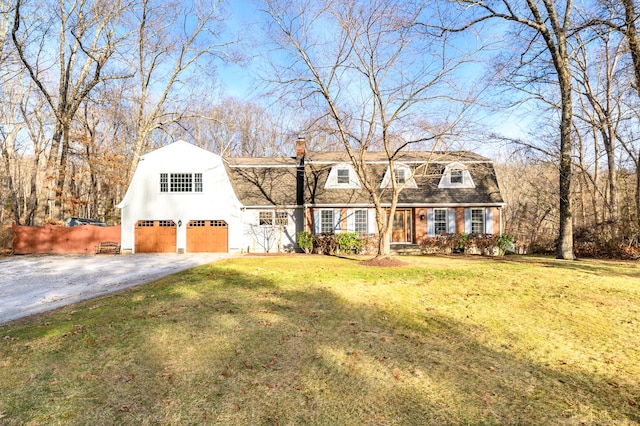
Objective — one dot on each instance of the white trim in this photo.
(407, 205)
(325, 162)
(445, 180)
(262, 166)
(409, 181)
(332, 179)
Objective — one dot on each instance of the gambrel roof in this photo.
(264, 181)
(274, 181)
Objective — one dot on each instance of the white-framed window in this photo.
(326, 221)
(282, 218)
(180, 182)
(271, 218)
(164, 182)
(401, 174)
(361, 221)
(457, 176)
(342, 176)
(477, 221)
(265, 218)
(440, 225)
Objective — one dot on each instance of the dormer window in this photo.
(402, 177)
(343, 176)
(456, 175)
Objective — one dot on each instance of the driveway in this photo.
(34, 284)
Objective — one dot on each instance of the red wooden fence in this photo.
(62, 240)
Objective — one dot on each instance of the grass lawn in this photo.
(326, 341)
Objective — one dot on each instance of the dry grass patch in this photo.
(321, 340)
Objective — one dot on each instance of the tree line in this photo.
(88, 86)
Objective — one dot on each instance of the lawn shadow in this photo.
(220, 346)
(426, 366)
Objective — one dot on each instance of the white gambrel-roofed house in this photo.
(185, 199)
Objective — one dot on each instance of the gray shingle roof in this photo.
(272, 181)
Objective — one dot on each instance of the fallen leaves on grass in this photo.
(384, 262)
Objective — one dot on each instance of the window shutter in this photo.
(451, 221)
(316, 221)
(371, 221)
(467, 221)
(431, 229)
(488, 221)
(336, 221)
(351, 220)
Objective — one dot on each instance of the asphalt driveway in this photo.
(35, 284)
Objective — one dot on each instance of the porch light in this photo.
(179, 223)
(422, 217)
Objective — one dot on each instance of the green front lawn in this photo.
(322, 340)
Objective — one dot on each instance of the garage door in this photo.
(207, 236)
(155, 236)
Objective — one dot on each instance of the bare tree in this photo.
(368, 72)
(600, 106)
(85, 34)
(170, 39)
(551, 23)
(236, 128)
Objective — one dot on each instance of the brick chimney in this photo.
(301, 147)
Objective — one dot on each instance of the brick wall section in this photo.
(62, 240)
(459, 220)
(419, 225)
(496, 221)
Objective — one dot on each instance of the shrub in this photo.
(349, 242)
(443, 243)
(462, 241)
(305, 241)
(506, 243)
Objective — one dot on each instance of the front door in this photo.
(401, 227)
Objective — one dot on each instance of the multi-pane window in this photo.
(270, 218)
(326, 220)
(360, 223)
(440, 221)
(399, 176)
(343, 175)
(266, 218)
(477, 221)
(456, 176)
(282, 219)
(164, 182)
(181, 182)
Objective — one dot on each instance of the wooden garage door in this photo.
(155, 236)
(207, 236)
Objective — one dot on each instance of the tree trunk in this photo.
(565, 240)
(384, 244)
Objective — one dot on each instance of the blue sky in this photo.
(239, 81)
